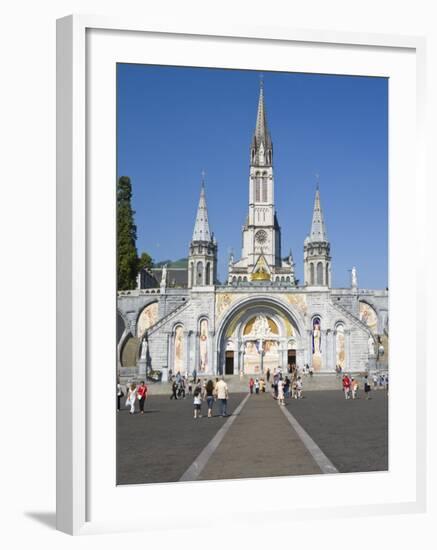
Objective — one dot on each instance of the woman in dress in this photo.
(131, 398)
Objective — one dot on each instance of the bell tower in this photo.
(202, 259)
(261, 234)
(317, 259)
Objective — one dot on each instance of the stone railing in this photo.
(166, 318)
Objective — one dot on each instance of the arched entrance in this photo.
(259, 334)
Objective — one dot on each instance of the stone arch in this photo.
(327, 274)
(147, 316)
(244, 308)
(369, 315)
(208, 273)
(312, 274)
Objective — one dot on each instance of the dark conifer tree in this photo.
(127, 259)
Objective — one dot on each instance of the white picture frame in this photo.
(76, 209)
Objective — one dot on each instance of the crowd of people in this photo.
(290, 385)
(210, 391)
(134, 393)
(350, 385)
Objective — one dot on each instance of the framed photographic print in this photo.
(235, 311)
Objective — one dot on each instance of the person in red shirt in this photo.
(346, 386)
(251, 384)
(142, 395)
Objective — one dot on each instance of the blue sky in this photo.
(172, 123)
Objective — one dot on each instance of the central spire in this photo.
(261, 148)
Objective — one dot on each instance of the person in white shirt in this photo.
(131, 398)
(299, 386)
(197, 403)
(221, 390)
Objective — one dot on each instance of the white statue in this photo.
(354, 280)
(371, 345)
(144, 347)
(261, 327)
(316, 338)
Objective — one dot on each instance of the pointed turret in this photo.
(318, 229)
(317, 260)
(201, 227)
(202, 261)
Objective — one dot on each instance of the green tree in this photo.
(145, 260)
(127, 259)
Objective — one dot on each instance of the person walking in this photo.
(354, 388)
(131, 398)
(256, 386)
(181, 388)
(367, 387)
(281, 392)
(251, 384)
(268, 375)
(197, 403)
(299, 388)
(222, 394)
(375, 381)
(209, 389)
(262, 385)
(287, 387)
(142, 395)
(174, 389)
(346, 386)
(120, 394)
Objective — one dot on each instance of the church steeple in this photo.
(261, 151)
(318, 229)
(202, 260)
(317, 260)
(201, 227)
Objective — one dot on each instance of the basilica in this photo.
(262, 317)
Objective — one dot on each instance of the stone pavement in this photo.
(161, 445)
(261, 443)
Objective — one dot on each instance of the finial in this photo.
(261, 81)
(203, 174)
(317, 181)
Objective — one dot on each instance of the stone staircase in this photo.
(170, 315)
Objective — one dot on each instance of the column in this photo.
(310, 348)
(186, 350)
(170, 352)
(210, 350)
(347, 347)
(196, 352)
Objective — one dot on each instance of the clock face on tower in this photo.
(261, 236)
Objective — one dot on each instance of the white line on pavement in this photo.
(201, 461)
(316, 452)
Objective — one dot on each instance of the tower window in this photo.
(258, 187)
(320, 273)
(312, 274)
(264, 187)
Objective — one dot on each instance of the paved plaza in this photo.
(322, 433)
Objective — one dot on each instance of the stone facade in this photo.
(261, 318)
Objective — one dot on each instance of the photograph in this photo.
(252, 298)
